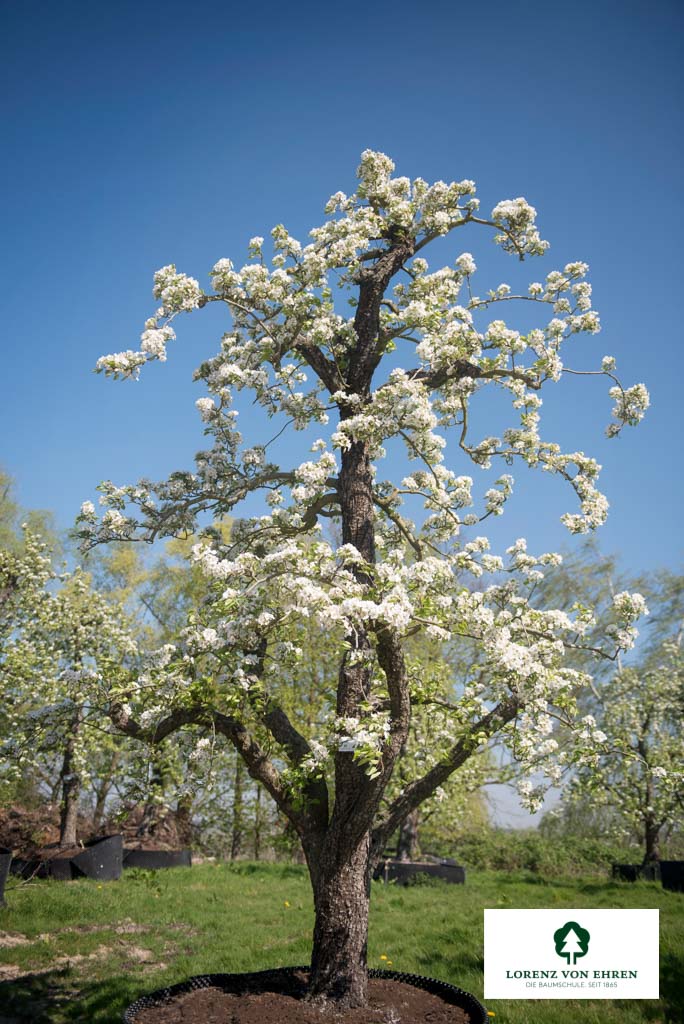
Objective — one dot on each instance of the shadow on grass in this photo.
(672, 987)
(56, 998)
(600, 886)
(263, 868)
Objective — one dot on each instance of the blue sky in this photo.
(139, 134)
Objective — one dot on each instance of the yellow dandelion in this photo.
(490, 1014)
(383, 957)
(287, 903)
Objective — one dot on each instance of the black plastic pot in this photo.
(635, 872)
(22, 867)
(156, 859)
(284, 980)
(5, 861)
(101, 859)
(672, 875)
(36, 867)
(403, 871)
(627, 872)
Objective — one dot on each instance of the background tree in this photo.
(635, 772)
(303, 358)
(14, 520)
(63, 642)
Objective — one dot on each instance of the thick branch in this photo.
(259, 766)
(297, 747)
(392, 662)
(325, 369)
(172, 723)
(372, 284)
(422, 788)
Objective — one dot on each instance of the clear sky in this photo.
(139, 134)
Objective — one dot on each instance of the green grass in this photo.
(93, 948)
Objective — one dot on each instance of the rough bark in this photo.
(71, 785)
(339, 855)
(652, 843)
(340, 878)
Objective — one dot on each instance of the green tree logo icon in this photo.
(572, 941)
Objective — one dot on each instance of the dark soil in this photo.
(34, 831)
(389, 1002)
(29, 831)
(53, 852)
(167, 833)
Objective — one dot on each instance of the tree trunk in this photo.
(101, 794)
(71, 786)
(103, 790)
(341, 888)
(407, 844)
(651, 830)
(339, 860)
(184, 819)
(258, 823)
(238, 810)
(652, 841)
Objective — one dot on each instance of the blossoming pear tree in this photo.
(634, 769)
(62, 642)
(316, 339)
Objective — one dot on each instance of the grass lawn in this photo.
(81, 951)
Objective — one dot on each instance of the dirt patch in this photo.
(9, 939)
(389, 1002)
(8, 972)
(139, 955)
(129, 927)
(125, 927)
(74, 959)
(166, 832)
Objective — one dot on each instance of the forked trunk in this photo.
(341, 888)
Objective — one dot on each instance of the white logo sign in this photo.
(571, 954)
